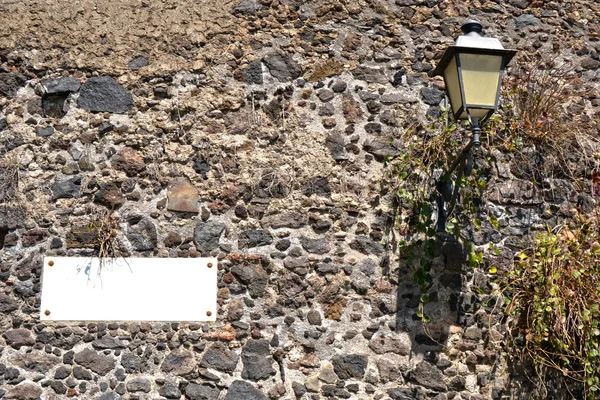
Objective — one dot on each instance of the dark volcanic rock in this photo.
(143, 235)
(525, 20)
(16, 338)
(61, 85)
(350, 366)
(104, 94)
(253, 73)
(54, 105)
(317, 185)
(381, 148)
(219, 357)
(255, 238)
(130, 362)
(428, 375)
(315, 246)
(201, 166)
(257, 360)
(10, 82)
(366, 245)
(179, 362)
(99, 363)
(66, 189)
(139, 384)
(137, 63)
(110, 195)
(207, 235)
(282, 66)
(241, 390)
(194, 391)
(432, 95)
(337, 146)
(44, 131)
(253, 276)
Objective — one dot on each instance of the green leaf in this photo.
(493, 270)
(425, 298)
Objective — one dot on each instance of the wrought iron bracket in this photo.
(446, 192)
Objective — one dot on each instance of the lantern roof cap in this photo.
(472, 42)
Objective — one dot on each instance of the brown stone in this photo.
(182, 196)
(24, 391)
(335, 310)
(33, 236)
(351, 109)
(82, 235)
(129, 161)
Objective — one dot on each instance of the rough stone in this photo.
(66, 189)
(129, 161)
(428, 375)
(370, 74)
(139, 384)
(142, 235)
(253, 73)
(61, 85)
(10, 83)
(258, 363)
(327, 374)
(382, 345)
(131, 362)
(104, 94)
(16, 338)
(253, 276)
(525, 20)
(219, 357)
(282, 66)
(315, 246)
(108, 342)
(34, 362)
(432, 95)
(179, 362)
(255, 238)
(24, 391)
(44, 131)
(241, 390)
(194, 391)
(366, 245)
(380, 147)
(99, 363)
(7, 303)
(182, 196)
(110, 195)
(350, 366)
(207, 235)
(337, 146)
(138, 62)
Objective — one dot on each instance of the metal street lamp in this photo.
(472, 70)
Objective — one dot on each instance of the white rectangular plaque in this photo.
(129, 289)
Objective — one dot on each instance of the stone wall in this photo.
(256, 131)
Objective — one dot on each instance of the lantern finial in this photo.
(472, 28)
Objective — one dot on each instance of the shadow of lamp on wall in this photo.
(472, 69)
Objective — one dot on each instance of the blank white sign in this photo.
(129, 289)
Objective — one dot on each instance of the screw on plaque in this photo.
(51, 263)
(47, 312)
(208, 313)
(209, 265)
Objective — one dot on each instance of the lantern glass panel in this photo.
(453, 85)
(481, 80)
